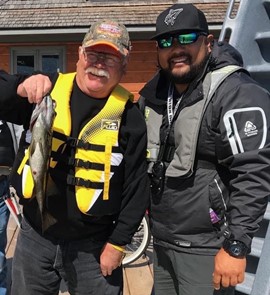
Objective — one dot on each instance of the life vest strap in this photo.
(85, 164)
(59, 136)
(71, 161)
(89, 165)
(71, 180)
(78, 143)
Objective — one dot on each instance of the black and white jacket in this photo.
(232, 169)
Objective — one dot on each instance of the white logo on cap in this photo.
(171, 17)
(110, 28)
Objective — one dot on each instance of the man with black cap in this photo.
(209, 157)
(97, 188)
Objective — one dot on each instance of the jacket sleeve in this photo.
(136, 187)
(13, 108)
(243, 146)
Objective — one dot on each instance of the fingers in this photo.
(106, 271)
(226, 281)
(216, 281)
(108, 268)
(35, 88)
(110, 259)
(228, 270)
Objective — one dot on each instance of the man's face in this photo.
(182, 63)
(99, 69)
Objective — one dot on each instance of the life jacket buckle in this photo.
(72, 141)
(71, 180)
(71, 161)
(84, 164)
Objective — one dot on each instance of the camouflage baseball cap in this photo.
(108, 32)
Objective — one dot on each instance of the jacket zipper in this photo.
(222, 198)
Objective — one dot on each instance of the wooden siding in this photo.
(4, 57)
(142, 62)
(60, 14)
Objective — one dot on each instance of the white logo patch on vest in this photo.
(171, 17)
(107, 124)
(250, 129)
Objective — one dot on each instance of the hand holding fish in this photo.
(35, 88)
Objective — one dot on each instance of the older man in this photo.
(97, 189)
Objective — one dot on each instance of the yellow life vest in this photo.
(97, 153)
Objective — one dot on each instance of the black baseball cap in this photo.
(180, 18)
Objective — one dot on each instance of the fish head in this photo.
(44, 112)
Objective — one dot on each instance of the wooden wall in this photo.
(142, 66)
(5, 57)
(142, 63)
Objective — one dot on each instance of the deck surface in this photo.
(138, 276)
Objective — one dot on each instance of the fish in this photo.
(41, 123)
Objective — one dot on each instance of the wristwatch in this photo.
(235, 248)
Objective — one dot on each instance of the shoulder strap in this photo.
(186, 140)
(218, 76)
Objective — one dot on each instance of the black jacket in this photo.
(72, 224)
(234, 138)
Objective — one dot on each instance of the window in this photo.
(26, 60)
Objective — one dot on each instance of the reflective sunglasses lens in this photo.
(187, 38)
(165, 42)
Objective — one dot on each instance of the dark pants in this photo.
(39, 265)
(178, 273)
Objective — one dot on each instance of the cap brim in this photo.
(92, 43)
(183, 31)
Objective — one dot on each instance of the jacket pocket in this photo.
(218, 196)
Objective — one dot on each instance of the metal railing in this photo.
(249, 32)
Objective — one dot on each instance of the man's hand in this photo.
(229, 271)
(35, 88)
(110, 259)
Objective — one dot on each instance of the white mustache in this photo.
(97, 72)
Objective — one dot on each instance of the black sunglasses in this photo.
(182, 39)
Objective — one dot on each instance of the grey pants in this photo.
(178, 273)
(39, 265)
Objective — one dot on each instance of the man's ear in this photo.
(210, 40)
(80, 50)
(125, 64)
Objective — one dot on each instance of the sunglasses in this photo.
(182, 39)
(108, 59)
